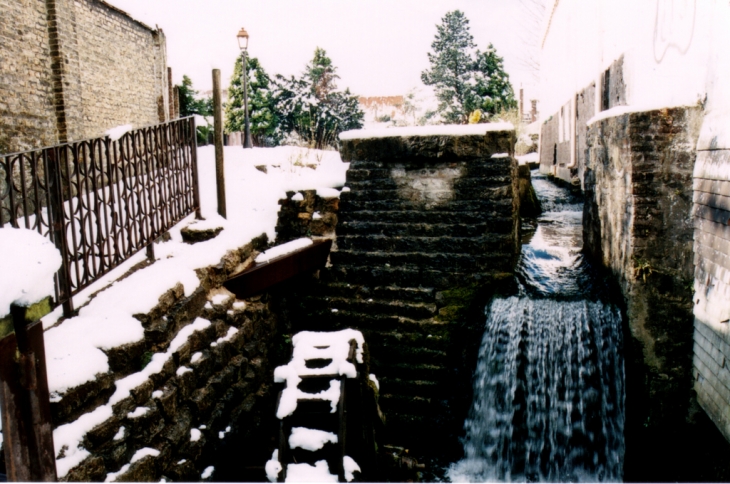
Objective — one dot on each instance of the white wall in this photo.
(666, 45)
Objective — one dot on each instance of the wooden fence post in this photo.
(220, 176)
(26, 410)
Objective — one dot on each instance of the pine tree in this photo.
(464, 78)
(492, 85)
(264, 122)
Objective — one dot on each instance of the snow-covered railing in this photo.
(102, 200)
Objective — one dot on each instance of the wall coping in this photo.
(431, 130)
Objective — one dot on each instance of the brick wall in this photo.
(71, 69)
(27, 119)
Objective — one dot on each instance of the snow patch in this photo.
(273, 467)
(196, 356)
(219, 299)
(207, 472)
(328, 192)
(283, 249)
(319, 472)
(116, 133)
(310, 439)
(195, 435)
(144, 452)
(500, 155)
(432, 130)
(374, 380)
(28, 268)
(138, 412)
(350, 467)
(298, 197)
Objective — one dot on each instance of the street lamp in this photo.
(243, 45)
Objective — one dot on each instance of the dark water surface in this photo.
(549, 383)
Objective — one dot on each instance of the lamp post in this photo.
(243, 45)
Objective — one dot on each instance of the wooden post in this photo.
(26, 410)
(220, 176)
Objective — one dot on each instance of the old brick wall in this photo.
(27, 118)
(585, 109)
(427, 231)
(555, 143)
(637, 222)
(207, 406)
(73, 69)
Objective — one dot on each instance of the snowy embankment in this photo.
(75, 348)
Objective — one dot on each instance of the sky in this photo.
(378, 46)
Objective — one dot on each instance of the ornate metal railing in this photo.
(101, 201)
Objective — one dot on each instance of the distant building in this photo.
(73, 69)
(382, 108)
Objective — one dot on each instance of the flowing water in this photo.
(548, 387)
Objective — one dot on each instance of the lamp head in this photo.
(242, 39)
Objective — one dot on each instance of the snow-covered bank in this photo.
(76, 347)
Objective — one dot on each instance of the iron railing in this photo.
(100, 200)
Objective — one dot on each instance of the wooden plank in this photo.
(265, 275)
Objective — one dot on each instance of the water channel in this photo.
(549, 384)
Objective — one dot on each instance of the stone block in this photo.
(102, 434)
(167, 403)
(91, 469)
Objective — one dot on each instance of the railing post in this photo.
(26, 411)
(57, 224)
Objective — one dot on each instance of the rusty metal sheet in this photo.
(262, 276)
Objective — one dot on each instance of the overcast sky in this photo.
(378, 46)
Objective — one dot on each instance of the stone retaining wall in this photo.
(213, 389)
(427, 230)
(72, 69)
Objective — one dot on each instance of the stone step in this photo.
(497, 178)
(416, 260)
(411, 371)
(412, 294)
(442, 245)
(392, 307)
(397, 340)
(482, 208)
(361, 171)
(411, 388)
(479, 162)
(403, 276)
(415, 229)
(323, 318)
(498, 223)
(496, 189)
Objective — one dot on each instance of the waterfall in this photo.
(549, 384)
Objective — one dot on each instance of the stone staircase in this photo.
(422, 238)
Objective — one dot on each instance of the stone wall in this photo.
(73, 69)
(427, 231)
(638, 224)
(554, 146)
(208, 403)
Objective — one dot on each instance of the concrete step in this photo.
(411, 388)
(416, 260)
(442, 245)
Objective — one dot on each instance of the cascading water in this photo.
(548, 387)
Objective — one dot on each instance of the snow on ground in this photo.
(28, 268)
(431, 130)
(74, 348)
(528, 158)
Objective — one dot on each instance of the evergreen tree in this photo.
(313, 108)
(492, 86)
(264, 121)
(189, 104)
(464, 78)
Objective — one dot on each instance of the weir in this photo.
(549, 383)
